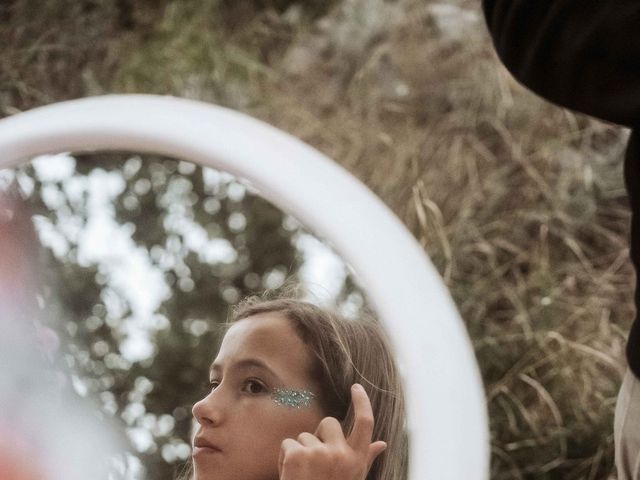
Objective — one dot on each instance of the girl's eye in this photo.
(213, 384)
(254, 387)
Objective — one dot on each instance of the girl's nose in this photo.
(207, 411)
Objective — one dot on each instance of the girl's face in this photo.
(246, 416)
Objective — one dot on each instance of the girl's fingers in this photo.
(330, 431)
(308, 440)
(288, 445)
(327, 449)
(375, 449)
(360, 436)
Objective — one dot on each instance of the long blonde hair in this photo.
(347, 352)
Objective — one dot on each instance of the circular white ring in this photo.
(447, 414)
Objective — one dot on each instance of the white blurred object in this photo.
(45, 433)
(447, 415)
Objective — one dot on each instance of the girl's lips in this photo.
(204, 447)
(199, 451)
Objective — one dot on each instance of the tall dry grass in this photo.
(520, 205)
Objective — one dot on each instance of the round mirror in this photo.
(446, 406)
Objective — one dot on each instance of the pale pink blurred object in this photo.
(18, 273)
(18, 244)
(46, 433)
(15, 461)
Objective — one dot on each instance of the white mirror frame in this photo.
(447, 413)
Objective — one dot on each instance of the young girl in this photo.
(300, 393)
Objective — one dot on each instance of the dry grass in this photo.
(520, 205)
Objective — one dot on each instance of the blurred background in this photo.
(520, 205)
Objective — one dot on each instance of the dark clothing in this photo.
(583, 55)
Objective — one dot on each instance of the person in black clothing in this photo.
(585, 55)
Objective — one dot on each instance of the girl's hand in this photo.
(327, 454)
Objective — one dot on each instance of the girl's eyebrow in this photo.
(245, 363)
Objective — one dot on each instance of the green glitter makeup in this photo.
(292, 398)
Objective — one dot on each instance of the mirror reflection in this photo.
(141, 259)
